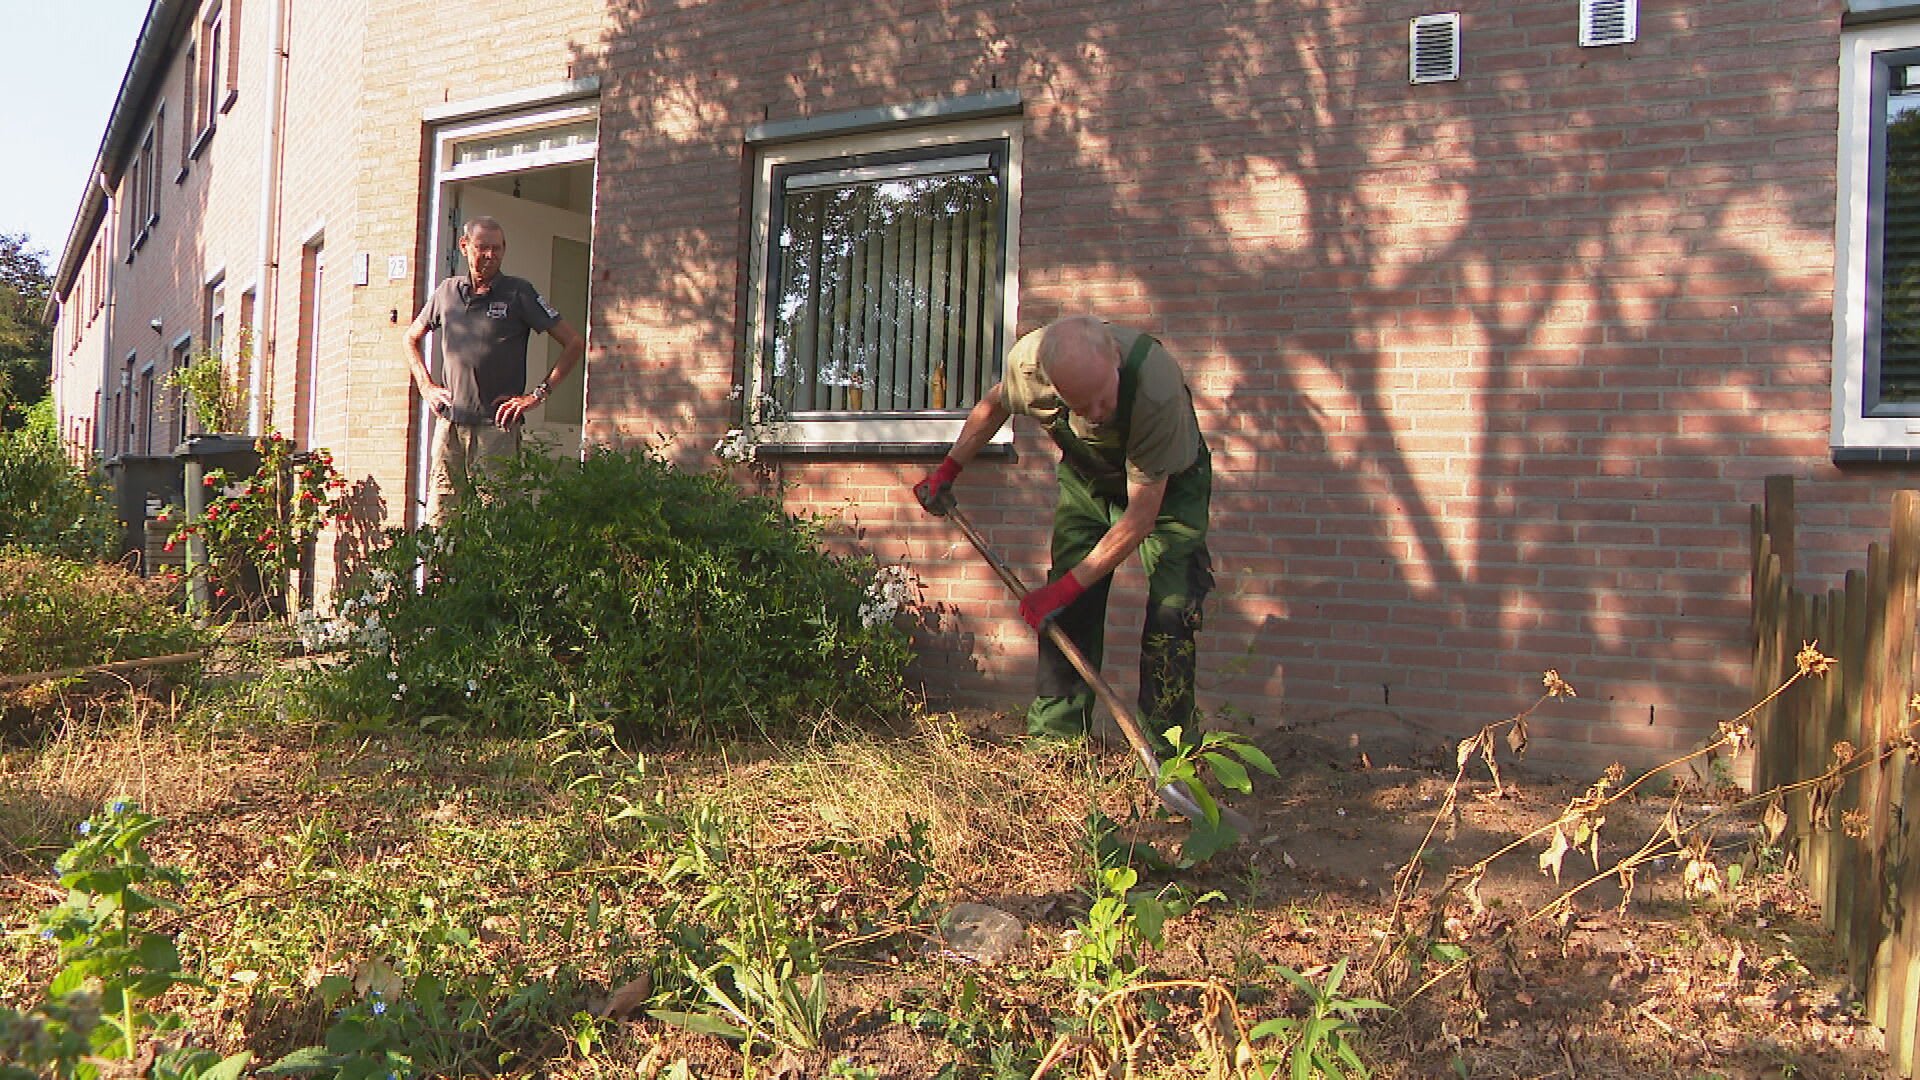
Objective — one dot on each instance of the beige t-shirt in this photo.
(1161, 438)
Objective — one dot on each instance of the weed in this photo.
(110, 964)
(59, 613)
(1320, 1043)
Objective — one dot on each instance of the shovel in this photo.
(1174, 797)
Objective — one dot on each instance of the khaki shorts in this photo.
(462, 452)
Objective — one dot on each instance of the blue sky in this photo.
(64, 60)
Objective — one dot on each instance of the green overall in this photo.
(1093, 495)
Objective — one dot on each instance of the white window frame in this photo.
(1857, 434)
(853, 431)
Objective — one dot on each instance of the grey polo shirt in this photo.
(483, 337)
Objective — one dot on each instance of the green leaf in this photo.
(333, 988)
(159, 954)
(229, 1068)
(1229, 772)
(705, 1023)
(1255, 757)
(1205, 839)
(1150, 915)
(1447, 952)
(132, 834)
(1279, 1027)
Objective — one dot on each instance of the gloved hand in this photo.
(1043, 603)
(936, 491)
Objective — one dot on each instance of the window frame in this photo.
(211, 65)
(931, 136)
(1860, 431)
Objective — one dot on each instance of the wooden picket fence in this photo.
(1849, 828)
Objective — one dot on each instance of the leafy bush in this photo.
(46, 502)
(263, 522)
(662, 599)
(58, 613)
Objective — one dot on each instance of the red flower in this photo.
(169, 546)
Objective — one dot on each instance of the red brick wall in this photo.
(1491, 369)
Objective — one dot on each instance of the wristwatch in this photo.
(540, 391)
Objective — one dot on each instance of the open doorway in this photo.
(533, 173)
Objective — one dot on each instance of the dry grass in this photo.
(492, 832)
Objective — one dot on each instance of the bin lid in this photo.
(201, 446)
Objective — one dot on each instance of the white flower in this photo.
(735, 447)
(890, 592)
(736, 393)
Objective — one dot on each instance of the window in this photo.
(212, 73)
(177, 428)
(189, 94)
(883, 283)
(142, 184)
(243, 349)
(145, 410)
(214, 325)
(313, 270)
(229, 67)
(1876, 389)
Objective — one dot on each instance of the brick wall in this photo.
(1491, 369)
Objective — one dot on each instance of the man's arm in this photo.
(1136, 522)
(984, 421)
(572, 348)
(436, 396)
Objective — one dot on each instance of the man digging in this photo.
(1134, 473)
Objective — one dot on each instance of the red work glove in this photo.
(1043, 603)
(936, 491)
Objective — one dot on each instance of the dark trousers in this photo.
(1179, 576)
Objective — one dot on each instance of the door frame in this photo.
(450, 127)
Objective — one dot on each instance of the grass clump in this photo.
(616, 587)
(57, 612)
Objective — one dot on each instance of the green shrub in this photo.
(46, 502)
(664, 600)
(59, 613)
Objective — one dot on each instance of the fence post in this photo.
(1846, 727)
(1903, 568)
(1904, 1002)
(1781, 522)
(1891, 976)
(1768, 616)
(1863, 911)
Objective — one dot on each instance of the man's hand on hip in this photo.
(514, 409)
(935, 492)
(1042, 604)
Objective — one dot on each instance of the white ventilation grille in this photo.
(1609, 22)
(1434, 48)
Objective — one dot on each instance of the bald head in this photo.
(1079, 357)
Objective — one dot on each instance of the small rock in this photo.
(983, 934)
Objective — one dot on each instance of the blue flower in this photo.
(119, 807)
(86, 827)
(379, 1007)
(47, 934)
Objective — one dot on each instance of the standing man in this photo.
(484, 317)
(1134, 473)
